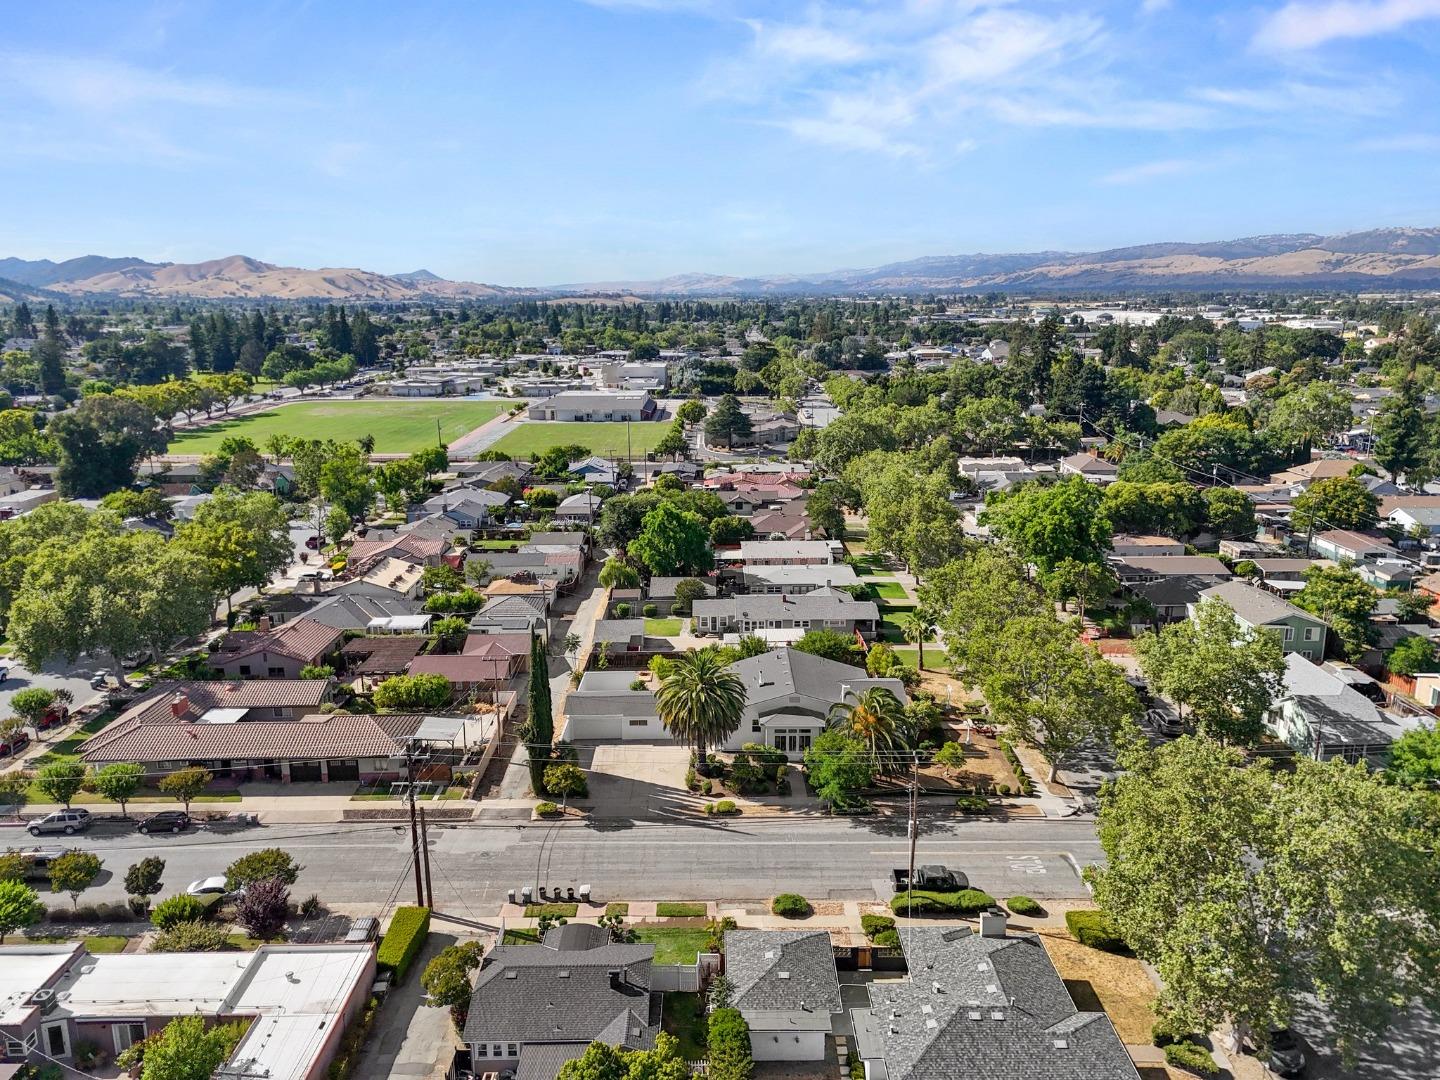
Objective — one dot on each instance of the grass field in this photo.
(662, 627)
(934, 657)
(673, 944)
(399, 427)
(606, 438)
(889, 590)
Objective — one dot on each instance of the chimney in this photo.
(992, 925)
(262, 623)
(617, 979)
(179, 706)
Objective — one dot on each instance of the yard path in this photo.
(484, 436)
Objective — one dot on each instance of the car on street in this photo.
(13, 743)
(68, 822)
(313, 543)
(937, 878)
(57, 715)
(36, 861)
(1287, 1056)
(4, 674)
(211, 891)
(172, 821)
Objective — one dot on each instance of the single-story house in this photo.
(535, 1007)
(347, 611)
(1171, 597)
(580, 508)
(1322, 715)
(275, 652)
(986, 1006)
(782, 524)
(1346, 545)
(787, 552)
(472, 509)
(1310, 471)
(410, 547)
(467, 672)
(660, 591)
(513, 649)
(819, 609)
(1299, 631)
(797, 580)
(1095, 469)
(518, 614)
(374, 659)
(297, 1002)
(1286, 569)
(1125, 546)
(785, 986)
(1133, 570)
(595, 470)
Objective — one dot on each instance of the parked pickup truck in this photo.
(935, 878)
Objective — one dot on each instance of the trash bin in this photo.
(525, 895)
(512, 896)
(570, 893)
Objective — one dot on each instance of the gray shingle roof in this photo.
(1256, 606)
(537, 994)
(985, 1008)
(819, 604)
(782, 970)
(784, 672)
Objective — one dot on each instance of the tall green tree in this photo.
(1048, 523)
(1227, 675)
(700, 701)
(1399, 429)
(727, 422)
(186, 1049)
(20, 907)
(673, 541)
(100, 442)
(1340, 596)
(1251, 890)
(877, 718)
(1336, 502)
(539, 729)
(976, 597)
(1057, 693)
(242, 539)
(118, 782)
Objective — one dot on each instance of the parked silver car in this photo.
(68, 822)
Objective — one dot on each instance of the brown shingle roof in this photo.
(302, 639)
(381, 655)
(462, 668)
(338, 735)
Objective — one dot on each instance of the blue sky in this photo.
(551, 141)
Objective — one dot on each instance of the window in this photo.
(512, 1050)
(1289, 633)
(244, 669)
(482, 1049)
(1312, 633)
(127, 1034)
(497, 1049)
(639, 722)
(275, 672)
(280, 712)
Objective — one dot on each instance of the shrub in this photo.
(790, 906)
(1166, 1031)
(972, 804)
(176, 910)
(887, 939)
(726, 806)
(544, 809)
(622, 611)
(925, 902)
(649, 611)
(1023, 905)
(638, 683)
(728, 1042)
(191, 937)
(1093, 928)
(404, 940)
(874, 924)
(263, 908)
(1191, 1057)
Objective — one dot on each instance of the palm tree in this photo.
(916, 626)
(701, 701)
(876, 716)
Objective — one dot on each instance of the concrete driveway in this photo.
(635, 780)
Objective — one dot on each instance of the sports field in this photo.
(399, 427)
(606, 438)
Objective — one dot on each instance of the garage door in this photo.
(303, 771)
(345, 770)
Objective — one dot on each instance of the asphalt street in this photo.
(474, 866)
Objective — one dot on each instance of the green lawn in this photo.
(681, 909)
(889, 590)
(521, 936)
(662, 627)
(673, 944)
(565, 911)
(399, 426)
(683, 1016)
(144, 795)
(95, 943)
(934, 657)
(606, 438)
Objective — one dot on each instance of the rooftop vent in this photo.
(784, 975)
(562, 974)
(976, 1014)
(512, 974)
(1062, 1044)
(997, 1015)
(932, 1025)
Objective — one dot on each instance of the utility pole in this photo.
(914, 829)
(425, 854)
(414, 831)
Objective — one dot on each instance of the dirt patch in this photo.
(1099, 980)
(828, 907)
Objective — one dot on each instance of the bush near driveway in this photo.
(404, 940)
(1023, 905)
(1091, 927)
(1191, 1057)
(875, 924)
(176, 910)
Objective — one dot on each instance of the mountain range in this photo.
(1393, 258)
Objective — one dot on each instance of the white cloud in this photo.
(97, 85)
(806, 44)
(1152, 7)
(1150, 170)
(1304, 24)
(1411, 143)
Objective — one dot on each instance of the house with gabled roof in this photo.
(785, 986)
(986, 1006)
(535, 1007)
(278, 652)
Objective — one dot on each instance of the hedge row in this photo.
(1027, 786)
(925, 902)
(1093, 928)
(403, 941)
(1192, 1058)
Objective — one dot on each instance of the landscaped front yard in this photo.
(663, 627)
(674, 944)
(1102, 980)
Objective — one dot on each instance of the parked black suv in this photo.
(166, 821)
